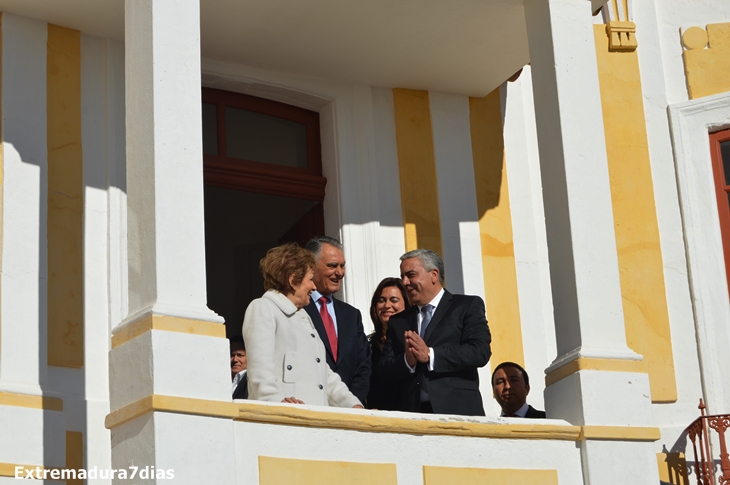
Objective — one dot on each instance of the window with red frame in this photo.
(720, 150)
(260, 145)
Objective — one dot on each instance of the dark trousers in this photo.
(426, 407)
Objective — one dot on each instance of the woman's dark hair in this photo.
(283, 261)
(386, 283)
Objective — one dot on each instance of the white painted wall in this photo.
(23, 281)
(460, 236)
(528, 229)
(671, 417)
(409, 452)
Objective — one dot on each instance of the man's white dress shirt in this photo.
(236, 380)
(434, 304)
(522, 412)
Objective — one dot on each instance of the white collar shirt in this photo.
(316, 295)
(431, 355)
(522, 412)
(237, 380)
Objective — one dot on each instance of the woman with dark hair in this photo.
(286, 358)
(389, 298)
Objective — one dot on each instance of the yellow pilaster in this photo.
(641, 268)
(495, 227)
(65, 199)
(417, 166)
(74, 454)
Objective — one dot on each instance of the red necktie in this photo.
(329, 325)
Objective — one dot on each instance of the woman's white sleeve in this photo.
(259, 333)
(337, 392)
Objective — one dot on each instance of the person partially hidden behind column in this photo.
(286, 358)
(435, 347)
(239, 382)
(339, 325)
(511, 385)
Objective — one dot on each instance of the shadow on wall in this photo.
(673, 466)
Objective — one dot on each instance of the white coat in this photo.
(286, 357)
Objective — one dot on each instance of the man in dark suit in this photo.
(339, 325)
(239, 379)
(435, 347)
(511, 385)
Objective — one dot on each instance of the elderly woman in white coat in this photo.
(286, 358)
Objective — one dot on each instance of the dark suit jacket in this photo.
(353, 352)
(534, 413)
(241, 391)
(383, 392)
(460, 338)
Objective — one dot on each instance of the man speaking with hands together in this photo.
(435, 347)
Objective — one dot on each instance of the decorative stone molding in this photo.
(621, 35)
(620, 27)
(707, 59)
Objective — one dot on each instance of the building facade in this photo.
(570, 160)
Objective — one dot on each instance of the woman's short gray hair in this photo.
(429, 259)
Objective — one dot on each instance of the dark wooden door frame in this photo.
(721, 190)
(251, 176)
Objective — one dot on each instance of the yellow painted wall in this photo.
(74, 454)
(417, 166)
(65, 199)
(673, 468)
(440, 475)
(707, 59)
(288, 471)
(637, 232)
(495, 227)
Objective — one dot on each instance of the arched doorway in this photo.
(263, 186)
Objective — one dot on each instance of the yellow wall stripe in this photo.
(171, 404)
(637, 231)
(417, 165)
(495, 227)
(65, 199)
(443, 475)
(28, 401)
(609, 365)
(8, 469)
(74, 454)
(168, 324)
(673, 468)
(620, 433)
(277, 471)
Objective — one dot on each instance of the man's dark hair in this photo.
(315, 244)
(516, 366)
(237, 339)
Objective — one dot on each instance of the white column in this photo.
(589, 322)
(528, 226)
(33, 428)
(184, 357)
(577, 198)
(460, 235)
(23, 281)
(165, 160)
